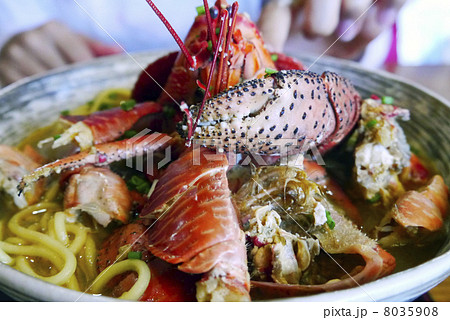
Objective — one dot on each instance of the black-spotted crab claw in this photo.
(100, 155)
(257, 115)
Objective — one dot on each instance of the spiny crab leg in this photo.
(100, 155)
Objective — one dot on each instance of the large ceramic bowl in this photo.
(35, 102)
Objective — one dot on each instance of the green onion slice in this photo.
(330, 221)
(270, 71)
(134, 255)
(387, 100)
(128, 104)
(371, 123)
(200, 10)
(375, 198)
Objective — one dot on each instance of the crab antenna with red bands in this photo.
(223, 21)
(211, 32)
(191, 61)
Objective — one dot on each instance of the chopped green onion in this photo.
(375, 198)
(128, 104)
(139, 184)
(169, 112)
(387, 100)
(65, 112)
(371, 123)
(217, 30)
(113, 95)
(56, 136)
(129, 134)
(330, 221)
(200, 10)
(351, 142)
(209, 45)
(134, 255)
(104, 106)
(274, 57)
(270, 71)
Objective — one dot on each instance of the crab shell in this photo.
(292, 108)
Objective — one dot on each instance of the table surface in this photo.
(436, 78)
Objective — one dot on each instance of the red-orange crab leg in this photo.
(109, 125)
(426, 208)
(100, 155)
(189, 58)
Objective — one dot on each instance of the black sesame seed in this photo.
(285, 127)
(296, 130)
(278, 136)
(295, 94)
(272, 128)
(291, 106)
(304, 116)
(282, 111)
(261, 131)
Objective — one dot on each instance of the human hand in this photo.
(341, 28)
(49, 46)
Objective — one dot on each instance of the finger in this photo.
(70, 44)
(42, 48)
(352, 18)
(321, 17)
(23, 60)
(353, 9)
(100, 49)
(9, 74)
(377, 20)
(274, 23)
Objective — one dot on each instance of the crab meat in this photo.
(13, 166)
(383, 151)
(100, 193)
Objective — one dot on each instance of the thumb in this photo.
(100, 49)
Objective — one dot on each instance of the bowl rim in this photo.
(44, 291)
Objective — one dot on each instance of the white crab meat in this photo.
(100, 193)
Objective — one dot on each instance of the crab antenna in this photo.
(177, 38)
(225, 71)
(223, 20)
(211, 32)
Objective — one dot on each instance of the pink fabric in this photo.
(392, 56)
